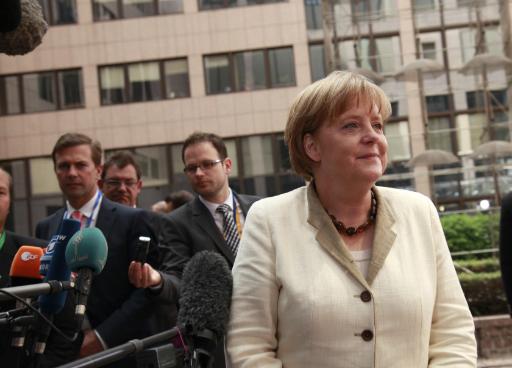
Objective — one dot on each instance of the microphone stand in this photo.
(117, 353)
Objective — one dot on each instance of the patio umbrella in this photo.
(484, 60)
(493, 148)
(433, 157)
(370, 74)
(423, 65)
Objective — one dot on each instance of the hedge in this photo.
(484, 293)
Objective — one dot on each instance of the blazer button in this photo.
(367, 335)
(366, 296)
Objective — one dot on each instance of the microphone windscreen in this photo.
(206, 287)
(25, 266)
(58, 269)
(28, 34)
(87, 249)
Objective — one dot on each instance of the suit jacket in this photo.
(299, 300)
(12, 243)
(188, 230)
(506, 246)
(117, 310)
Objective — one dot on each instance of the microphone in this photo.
(24, 271)
(10, 15)
(24, 34)
(205, 300)
(57, 271)
(86, 254)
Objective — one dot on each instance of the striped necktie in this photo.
(77, 215)
(230, 229)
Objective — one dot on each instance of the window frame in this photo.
(121, 11)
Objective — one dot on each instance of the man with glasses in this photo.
(121, 179)
(212, 221)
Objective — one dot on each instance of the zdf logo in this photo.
(27, 256)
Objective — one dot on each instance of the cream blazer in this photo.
(299, 300)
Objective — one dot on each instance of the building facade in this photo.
(144, 74)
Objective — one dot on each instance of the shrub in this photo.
(478, 265)
(471, 232)
(484, 293)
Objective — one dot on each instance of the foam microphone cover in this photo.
(206, 288)
(28, 34)
(25, 266)
(58, 269)
(10, 15)
(87, 249)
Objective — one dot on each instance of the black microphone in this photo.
(10, 15)
(205, 300)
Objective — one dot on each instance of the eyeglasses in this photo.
(204, 166)
(115, 183)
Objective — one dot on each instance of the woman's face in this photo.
(352, 148)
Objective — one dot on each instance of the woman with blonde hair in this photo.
(342, 273)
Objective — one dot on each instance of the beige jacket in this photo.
(300, 301)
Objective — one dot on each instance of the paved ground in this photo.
(505, 362)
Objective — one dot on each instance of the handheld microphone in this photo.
(205, 300)
(24, 271)
(57, 271)
(86, 254)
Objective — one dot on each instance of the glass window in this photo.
(39, 92)
(428, 50)
(257, 155)
(249, 70)
(218, 4)
(112, 84)
(439, 134)
(138, 8)
(317, 61)
(144, 79)
(10, 95)
(439, 103)
(176, 78)
(397, 135)
(313, 14)
(153, 164)
(70, 88)
(64, 12)
(105, 9)
(420, 5)
(232, 153)
(478, 129)
(218, 79)
(170, 6)
(42, 176)
(282, 68)
(377, 54)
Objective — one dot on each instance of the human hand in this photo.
(143, 275)
(91, 344)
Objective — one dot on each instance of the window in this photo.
(219, 4)
(439, 134)
(381, 54)
(363, 10)
(317, 61)
(420, 5)
(397, 135)
(438, 103)
(42, 91)
(428, 50)
(118, 9)
(313, 14)
(476, 99)
(249, 70)
(147, 81)
(492, 42)
(58, 12)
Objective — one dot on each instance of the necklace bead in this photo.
(351, 231)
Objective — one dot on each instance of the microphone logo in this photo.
(27, 256)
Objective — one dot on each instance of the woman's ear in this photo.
(311, 148)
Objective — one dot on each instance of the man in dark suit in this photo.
(116, 311)
(200, 224)
(9, 245)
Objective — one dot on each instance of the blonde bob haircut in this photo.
(322, 102)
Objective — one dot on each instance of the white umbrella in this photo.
(423, 65)
(433, 157)
(484, 60)
(493, 148)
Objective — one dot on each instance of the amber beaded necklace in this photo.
(351, 231)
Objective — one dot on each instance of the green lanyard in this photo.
(2, 240)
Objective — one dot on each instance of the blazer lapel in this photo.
(205, 221)
(244, 205)
(328, 237)
(384, 236)
(106, 217)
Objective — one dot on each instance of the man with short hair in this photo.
(9, 245)
(116, 312)
(121, 179)
(201, 224)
